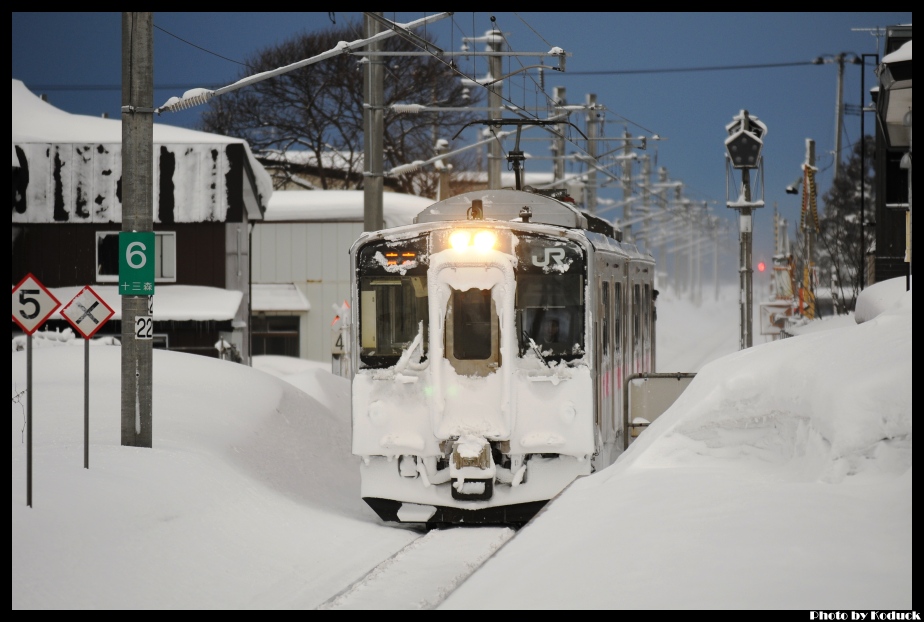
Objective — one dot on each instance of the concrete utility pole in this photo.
(495, 42)
(840, 59)
(700, 251)
(839, 112)
(373, 129)
(627, 185)
(137, 216)
(558, 142)
(661, 190)
(593, 123)
(645, 196)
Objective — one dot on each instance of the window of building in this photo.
(275, 335)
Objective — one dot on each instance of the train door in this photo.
(635, 347)
(606, 354)
(618, 363)
(646, 325)
(599, 358)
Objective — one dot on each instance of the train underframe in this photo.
(488, 487)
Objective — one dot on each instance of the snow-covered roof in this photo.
(508, 178)
(37, 121)
(331, 159)
(901, 54)
(341, 206)
(277, 297)
(178, 303)
(80, 158)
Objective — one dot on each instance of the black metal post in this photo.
(86, 403)
(29, 420)
(863, 58)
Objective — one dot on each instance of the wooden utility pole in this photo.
(137, 216)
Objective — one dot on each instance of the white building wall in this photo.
(315, 257)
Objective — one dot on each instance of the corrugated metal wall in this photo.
(314, 256)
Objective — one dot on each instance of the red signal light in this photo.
(761, 266)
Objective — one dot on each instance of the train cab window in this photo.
(392, 311)
(472, 338)
(471, 321)
(393, 300)
(550, 314)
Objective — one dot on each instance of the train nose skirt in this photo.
(398, 512)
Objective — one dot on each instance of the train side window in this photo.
(636, 313)
(617, 318)
(606, 317)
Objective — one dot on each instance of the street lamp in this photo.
(743, 152)
(893, 110)
(895, 97)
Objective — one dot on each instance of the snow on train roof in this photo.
(603, 242)
(505, 205)
(340, 206)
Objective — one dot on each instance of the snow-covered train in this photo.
(489, 344)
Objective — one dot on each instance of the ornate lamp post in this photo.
(743, 151)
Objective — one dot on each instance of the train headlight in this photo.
(464, 239)
(460, 240)
(485, 240)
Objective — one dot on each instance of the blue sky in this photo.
(683, 76)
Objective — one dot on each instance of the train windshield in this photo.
(550, 298)
(392, 300)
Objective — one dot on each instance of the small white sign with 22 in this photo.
(144, 327)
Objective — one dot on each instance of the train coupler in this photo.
(472, 469)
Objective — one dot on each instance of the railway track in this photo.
(423, 573)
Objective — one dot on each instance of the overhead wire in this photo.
(453, 67)
(230, 60)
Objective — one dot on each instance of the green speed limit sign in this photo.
(136, 263)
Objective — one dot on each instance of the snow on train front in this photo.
(472, 396)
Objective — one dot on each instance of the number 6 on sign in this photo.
(136, 263)
(144, 327)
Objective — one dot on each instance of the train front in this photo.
(472, 397)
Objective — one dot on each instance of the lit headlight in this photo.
(460, 240)
(484, 240)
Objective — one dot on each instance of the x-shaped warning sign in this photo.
(87, 312)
